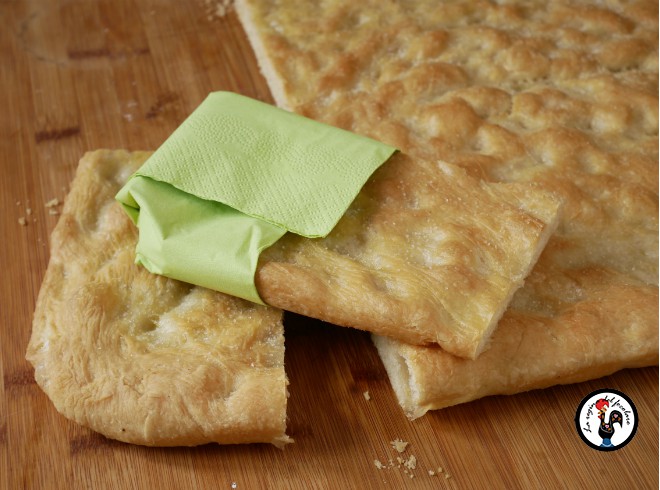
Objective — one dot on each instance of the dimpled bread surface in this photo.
(427, 253)
(560, 94)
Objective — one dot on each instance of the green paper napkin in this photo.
(232, 179)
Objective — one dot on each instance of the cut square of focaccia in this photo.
(141, 358)
(425, 254)
(564, 94)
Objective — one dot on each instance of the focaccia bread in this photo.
(426, 254)
(607, 332)
(563, 94)
(141, 358)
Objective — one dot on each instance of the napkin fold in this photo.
(232, 180)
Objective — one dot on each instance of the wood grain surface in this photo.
(77, 75)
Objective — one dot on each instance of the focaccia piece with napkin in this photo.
(139, 357)
(413, 249)
(425, 254)
(563, 94)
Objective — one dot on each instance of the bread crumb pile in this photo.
(408, 464)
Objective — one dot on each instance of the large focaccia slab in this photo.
(563, 94)
(141, 358)
(426, 254)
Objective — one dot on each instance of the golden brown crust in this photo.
(563, 94)
(141, 358)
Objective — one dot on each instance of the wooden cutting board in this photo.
(77, 75)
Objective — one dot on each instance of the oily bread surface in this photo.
(563, 94)
(141, 358)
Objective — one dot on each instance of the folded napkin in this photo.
(232, 180)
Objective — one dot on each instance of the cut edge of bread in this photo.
(552, 219)
(401, 377)
(274, 81)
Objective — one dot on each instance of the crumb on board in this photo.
(408, 464)
(53, 212)
(399, 445)
(28, 211)
(22, 221)
(366, 395)
(411, 462)
(217, 8)
(52, 203)
(438, 471)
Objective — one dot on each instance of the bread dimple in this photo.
(139, 357)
